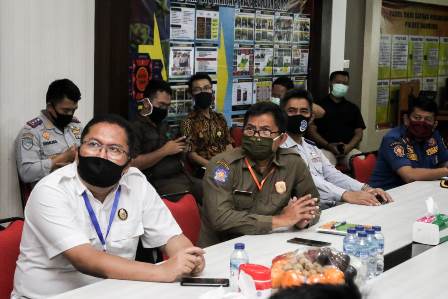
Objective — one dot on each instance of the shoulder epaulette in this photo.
(34, 122)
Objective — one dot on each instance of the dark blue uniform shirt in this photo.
(398, 150)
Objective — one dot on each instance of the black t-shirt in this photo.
(340, 120)
(150, 138)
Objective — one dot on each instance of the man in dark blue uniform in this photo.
(413, 152)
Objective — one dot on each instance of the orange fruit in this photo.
(316, 278)
(333, 275)
(292, 278)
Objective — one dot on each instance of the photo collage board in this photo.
(267, 42)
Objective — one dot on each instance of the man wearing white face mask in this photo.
(340, 131)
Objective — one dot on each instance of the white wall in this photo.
(40, 41)
(338, 20)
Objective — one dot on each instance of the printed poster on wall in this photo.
(181, 61)
(429, 83)
(206, 60)
(382, 102)
(431, 57)
(263, 61)
(301, 30)
(207, 25)
(182, 22)
(385, 57)
(299, 60)
(282, 60)
(264, 27)
(415, 61)
(262, 89)
(399, 60)
(443, 56)
(242, 94)
(181, 101)
(244, 26)
(243, 61)
(283, 28)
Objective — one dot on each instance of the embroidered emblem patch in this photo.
(280, 187)
(410, 153)
(77, 132)
(399, 151)
(122, 214)
(27, 141)
(433, 150)
(303, 125)
(221, 174)
(46, 135)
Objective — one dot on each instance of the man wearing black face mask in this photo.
(414, 151)
(334, 186)
(49, 141)
(83, 222)
(259, 187)
(160, 157)
(206, 129)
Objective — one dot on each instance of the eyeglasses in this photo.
(207, 88)
(113, 151)
(262, 132)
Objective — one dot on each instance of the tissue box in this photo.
(431, 230)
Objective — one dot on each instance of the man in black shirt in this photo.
(339, 132)
(160, 158)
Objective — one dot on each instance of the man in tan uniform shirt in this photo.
(259, 187)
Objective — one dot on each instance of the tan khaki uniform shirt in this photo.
(233, 205)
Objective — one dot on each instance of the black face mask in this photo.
(203, 100)
(158, 114)
(99, 172)
(62, 120)
(298, 124)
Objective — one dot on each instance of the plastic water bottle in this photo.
(349, 244)
(373, 251)
(380, 250)
(362, 252)
(238, 257)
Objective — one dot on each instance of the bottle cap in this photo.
(360, 227)
(239, 246)
(351, 230)
(362, 234)
(370, 231)
(377, 228)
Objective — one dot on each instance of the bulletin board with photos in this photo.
(413, 46)
(244, 45)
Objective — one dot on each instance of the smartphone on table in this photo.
(308, 242)
(204, 282)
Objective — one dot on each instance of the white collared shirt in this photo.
(330, 182)
(56, 219)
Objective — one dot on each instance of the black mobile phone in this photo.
(204, 282)
(308, 242)
(380, 199)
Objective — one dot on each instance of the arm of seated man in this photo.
(409, 174)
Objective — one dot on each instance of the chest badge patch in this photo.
(122, 214)
(46, 135)
(399, 151)
(77, 132)
(221, 174)
(280, 187)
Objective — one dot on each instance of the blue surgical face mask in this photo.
(339, 90)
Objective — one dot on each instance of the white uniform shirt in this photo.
(56, 219)
(330, 182)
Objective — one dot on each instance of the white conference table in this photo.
(395, 218)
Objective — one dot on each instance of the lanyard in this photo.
(95, 220)
(254, 176)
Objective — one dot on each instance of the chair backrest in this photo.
(237, 135)
(9, 251)
(362, 166)
(186, 213)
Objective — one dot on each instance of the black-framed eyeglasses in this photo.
(262, 132)
(113, 151)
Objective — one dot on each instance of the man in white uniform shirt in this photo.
(83, 221)
(334, 187)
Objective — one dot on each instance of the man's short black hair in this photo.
(116, 120)
(424, 103)
(284, 81)
(60, 89)
(155, 86)
(261, 108)
(297, 93)
(199, 76)
(342, 73)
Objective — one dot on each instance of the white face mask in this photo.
(275, 100)
(339, 90)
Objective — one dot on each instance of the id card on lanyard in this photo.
(94, 220)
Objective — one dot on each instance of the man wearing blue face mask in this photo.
(340, 131)
(83, 221)
(334, 187)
